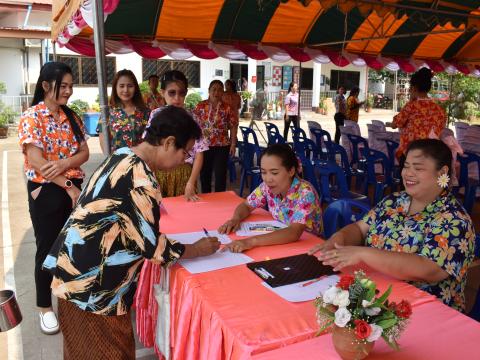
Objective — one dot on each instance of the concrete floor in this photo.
(33, 344)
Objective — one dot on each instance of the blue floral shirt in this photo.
(442, 233)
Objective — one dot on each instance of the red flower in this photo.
(345, 282)
(403, 310)
(362, 329)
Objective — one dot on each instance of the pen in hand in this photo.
(206, 232)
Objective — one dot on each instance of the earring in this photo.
(443, 180)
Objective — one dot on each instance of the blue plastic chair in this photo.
(250, 167)
(465, 180)
(307, 149)
(341, 213)
(357, 143)
(380, 180)
(247, 134)
(333, 183)
(298, 134)
(233, 160)
(392, 147)
(350, 173)
(323, 141)
(475, 312)
(273, 134)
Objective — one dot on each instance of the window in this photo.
(84, 69)
(306, 79)
(347, 79)
(191, 69)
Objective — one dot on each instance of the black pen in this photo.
(206, 232)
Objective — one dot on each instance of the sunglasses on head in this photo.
(173, 93)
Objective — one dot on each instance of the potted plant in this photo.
(87, 114)
(192, 100)
(7, 117)
(322, 106)
(359, 317)
(246, 97)
(369, 102)
(3, 127)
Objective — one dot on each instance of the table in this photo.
(228, 314)
(434, 332)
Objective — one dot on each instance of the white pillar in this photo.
(317, 74)
(252, 71)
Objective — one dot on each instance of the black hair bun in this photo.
(425, 73)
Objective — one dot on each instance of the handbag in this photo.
(162, 295)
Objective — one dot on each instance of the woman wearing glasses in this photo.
(183, 179)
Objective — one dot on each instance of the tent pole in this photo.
(99, 40)
(299, 90)
(395, 93)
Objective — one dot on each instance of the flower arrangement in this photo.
(353, 304)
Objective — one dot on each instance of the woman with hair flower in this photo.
(421, 235)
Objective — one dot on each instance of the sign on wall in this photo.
(277, 76)
(287, 76)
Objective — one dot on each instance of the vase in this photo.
(348, 346)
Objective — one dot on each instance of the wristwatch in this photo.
(68, 184)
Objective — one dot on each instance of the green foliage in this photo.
(3, 88)
(192, 100)
(7, 115)
(384, 75)
(246, 95)
(144, 88)
(369, 101)
(79, 106)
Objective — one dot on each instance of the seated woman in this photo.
(290, 200)
(422, 235)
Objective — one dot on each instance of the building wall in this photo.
(11, 69)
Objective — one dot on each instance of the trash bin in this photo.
(90, 120)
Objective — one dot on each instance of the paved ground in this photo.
(17, 244)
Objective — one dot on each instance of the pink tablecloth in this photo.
(228, 314)
(435, 332)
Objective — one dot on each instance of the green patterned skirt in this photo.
(173, 182)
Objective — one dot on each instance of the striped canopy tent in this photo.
(397, 34)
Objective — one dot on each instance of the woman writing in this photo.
(52, 138)
(113, 228)
(183, 179)
(290, 200)
(291, 109)
(353, 105)
(128, 113)
(219, 128)
(421, 116)
(421, 235)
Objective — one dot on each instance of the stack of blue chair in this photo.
(323, 141)
(392, 147)
(358, 143)
(466, 180)
(273, 134)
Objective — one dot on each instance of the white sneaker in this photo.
(49, 323)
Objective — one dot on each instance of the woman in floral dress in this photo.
(128, 113)
(290, 200)
(421, 235)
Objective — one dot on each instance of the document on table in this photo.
(251, 228)
(298, 293)
(191, 237)
(216, 261)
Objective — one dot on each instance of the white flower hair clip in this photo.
(443, 180)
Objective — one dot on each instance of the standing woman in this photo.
(219, 128)
(291, 108)
(153, 99)
(420, 116)
(232, 98)
(183, 179)
(353, 105)
(128, 113)
(52, 138)
(340, 111)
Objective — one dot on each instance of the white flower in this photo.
(366, 303)
(342, 298)
(373, 311)
(342, 317)
(330, 295)
(376, 333)
(443, 180)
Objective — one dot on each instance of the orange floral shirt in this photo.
(56, 139)
(153, 101)
(215, 122)
(416, 120)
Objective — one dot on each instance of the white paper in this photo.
(217, 261)
(298, 293)
(191, 237)
(250, 228)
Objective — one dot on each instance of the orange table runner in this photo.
(228, 314)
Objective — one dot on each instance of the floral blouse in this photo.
(291, 103)
(301, 204)
(340, 104)
(56, 139)
(125, 130)
(153, 101)
(416, 120)
(215, 123)
(352, 108)
(442, 232)
(200, 145)
(114, 226)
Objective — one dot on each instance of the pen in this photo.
(206, 232)
(314, 281)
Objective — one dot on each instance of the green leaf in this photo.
(384, 297)
(387, 323)
(393, 344)
(324, 327)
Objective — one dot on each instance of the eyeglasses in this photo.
(173, 93)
